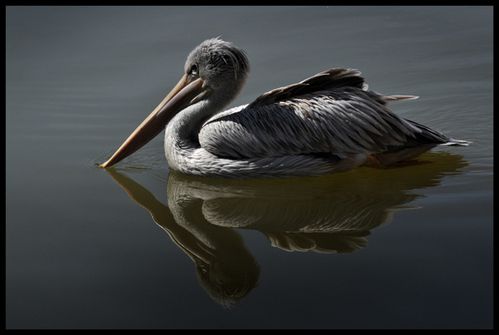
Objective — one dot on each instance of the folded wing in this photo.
(329, 113)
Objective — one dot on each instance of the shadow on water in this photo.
(328, 214)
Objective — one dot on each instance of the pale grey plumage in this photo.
(328, 122)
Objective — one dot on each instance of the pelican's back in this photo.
(331, 113)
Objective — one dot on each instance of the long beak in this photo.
(179, 98)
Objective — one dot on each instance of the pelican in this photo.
(326, 123)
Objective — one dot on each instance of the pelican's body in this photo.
(329, 122)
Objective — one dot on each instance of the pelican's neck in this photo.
(183, 129)
(181, 133)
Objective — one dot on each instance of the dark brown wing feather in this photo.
(326, 80)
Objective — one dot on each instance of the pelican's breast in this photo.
(223, 136)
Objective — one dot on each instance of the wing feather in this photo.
(329, 79)
(331, 112)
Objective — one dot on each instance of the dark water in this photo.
(409, 247)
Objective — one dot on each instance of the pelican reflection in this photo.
(329, 214)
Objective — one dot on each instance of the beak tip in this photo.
(104, 165)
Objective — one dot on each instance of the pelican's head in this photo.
(220, 64)
(214, 72)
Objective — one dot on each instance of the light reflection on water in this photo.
(328, 214)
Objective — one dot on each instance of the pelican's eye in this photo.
(194, 70)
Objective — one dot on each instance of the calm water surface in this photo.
(141, 247)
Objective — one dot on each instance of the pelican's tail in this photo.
(425, 134)
(457, 143)
(398, 97)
